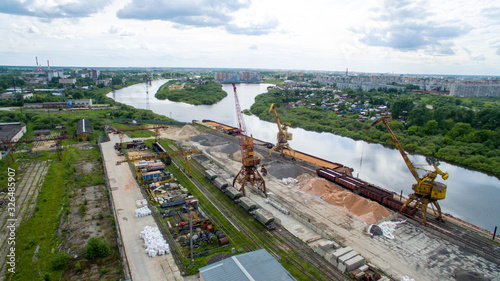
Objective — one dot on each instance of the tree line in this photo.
(462, 131)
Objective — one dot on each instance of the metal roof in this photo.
(253, 266)
(83, 126)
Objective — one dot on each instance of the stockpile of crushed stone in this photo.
(284, 170)
(230, 148)
(209, 140)
(366, 210)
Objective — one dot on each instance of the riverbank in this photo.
(460, 144)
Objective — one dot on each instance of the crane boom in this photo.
(283, 135)
(248, 172)
(385, 120)
(426, 190)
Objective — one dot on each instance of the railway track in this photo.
(460, 235)
(279, 242)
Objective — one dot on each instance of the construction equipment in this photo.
(283, 135)
(248, 172)
(426, 190)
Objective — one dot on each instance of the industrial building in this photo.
(12, 132)
(83, 129)
(257, 265)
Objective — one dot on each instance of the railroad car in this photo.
(220, 183)
(396, 205)
(376, 194)
(265, 217)
(248, 204)
(210, 175)
(232, 193)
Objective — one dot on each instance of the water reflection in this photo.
(471, 195)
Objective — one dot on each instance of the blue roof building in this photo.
(253, 266)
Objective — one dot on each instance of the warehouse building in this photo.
(255, 266)
(83, 129)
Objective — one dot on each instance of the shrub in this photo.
(78, 267)
(97, 248)
(60, 260)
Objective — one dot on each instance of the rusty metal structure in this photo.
(249, 172)
(283, 135)
(426, 190)
(182, 152)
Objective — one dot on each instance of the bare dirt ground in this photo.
(415, 251)
(89, 217)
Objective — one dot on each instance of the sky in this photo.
(383, 36)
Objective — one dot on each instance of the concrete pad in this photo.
(125, 191)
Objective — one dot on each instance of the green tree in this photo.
(431, 127)
(97, 248)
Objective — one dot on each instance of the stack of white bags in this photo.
(142, 212)
(141, 202)
(154, 242)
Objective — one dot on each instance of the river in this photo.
(471, 195)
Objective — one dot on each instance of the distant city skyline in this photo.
(382, 36)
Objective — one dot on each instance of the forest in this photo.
(462, 131)
(204, 93)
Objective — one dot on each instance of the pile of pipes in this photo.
(141, 202)
(142, 212)
(154, 242)
(277, 206)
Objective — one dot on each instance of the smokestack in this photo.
(37, 67)
(48, 65)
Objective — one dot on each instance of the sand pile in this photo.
(366, 210)
(188, 131)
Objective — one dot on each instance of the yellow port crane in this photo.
(426, 190)
(283, 135)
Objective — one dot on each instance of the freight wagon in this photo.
(367, 190)
(210, 175)
(220, 183)
(232, 193)
(248, 204)
(265, 217)
(396, 205)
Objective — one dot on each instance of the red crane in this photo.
(248, 172)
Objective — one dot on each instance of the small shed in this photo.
(257, 265)
(83, 129)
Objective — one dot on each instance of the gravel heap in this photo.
(209, 140)
(284, 170)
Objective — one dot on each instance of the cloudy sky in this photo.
(399, 36)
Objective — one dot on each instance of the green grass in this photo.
(41, 228)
